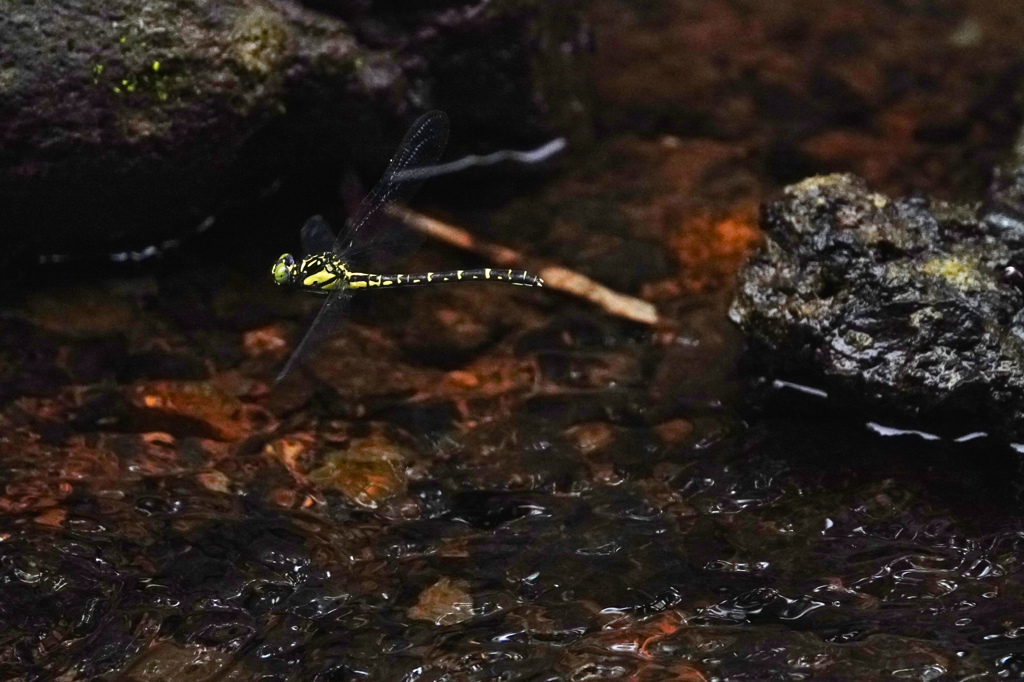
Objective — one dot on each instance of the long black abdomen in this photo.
(359, 280)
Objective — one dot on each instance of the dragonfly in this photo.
(336, 267)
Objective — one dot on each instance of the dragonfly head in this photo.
(285, 270)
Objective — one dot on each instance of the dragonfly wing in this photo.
(372, 238)
(327, 322)
(316, 236)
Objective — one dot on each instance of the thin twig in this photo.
(555, 277)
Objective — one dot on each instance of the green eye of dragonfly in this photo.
(332, 267)
(284, 269)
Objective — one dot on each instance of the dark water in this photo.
(625, 517)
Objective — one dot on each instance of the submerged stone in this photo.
(369, 473)
(907, 307)
(192, 406)
(446, 602)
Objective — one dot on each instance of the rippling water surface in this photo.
(620, 518)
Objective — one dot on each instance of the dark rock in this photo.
(903, 306)
(125, 124)
(120, 119)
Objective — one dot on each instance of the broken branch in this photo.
(555, 277)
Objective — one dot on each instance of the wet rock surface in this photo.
(127, 120)
(904, 305)
(124, 125)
